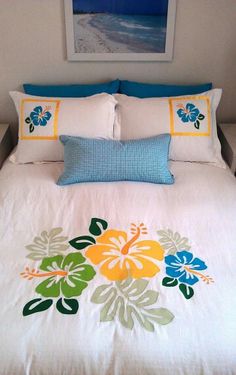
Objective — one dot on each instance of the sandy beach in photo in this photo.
(89, 39)
(109, 33)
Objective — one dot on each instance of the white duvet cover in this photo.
(150, 288)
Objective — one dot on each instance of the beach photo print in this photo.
(120, 29)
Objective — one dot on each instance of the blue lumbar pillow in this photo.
(149, 90)
(71, 91)
(100, 160)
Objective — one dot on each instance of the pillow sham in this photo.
(97, 160)
(191, 121)
(72, 91)
(43, 119)
(150, 90)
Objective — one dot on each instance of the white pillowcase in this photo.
(191, 121)
(42, 120)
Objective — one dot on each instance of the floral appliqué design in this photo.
(126, 260)
(190, 113)
(38, 117)
(182, 268)
(121, 257)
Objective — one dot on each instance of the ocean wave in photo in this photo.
(101, 33)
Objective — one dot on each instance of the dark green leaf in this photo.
(31, 128)
(169, 281)
(36, 305)
(82, 242)
(197, 124)
(97, 226)
(187, 291)
(27, 120)
(67, 305)
(201, 117)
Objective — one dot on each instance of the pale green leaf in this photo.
(128, 301)
(48, 244)
(160, 315)
(172, 242)
(102, 293)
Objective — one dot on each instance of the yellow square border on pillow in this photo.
(191, 134)
(55, 122)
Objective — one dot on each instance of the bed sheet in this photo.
(117, 278)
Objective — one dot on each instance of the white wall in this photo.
(32, 49)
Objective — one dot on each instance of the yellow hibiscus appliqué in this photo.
(120, 257)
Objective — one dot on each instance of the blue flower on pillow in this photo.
(190, 113)
(38, 117)
(184, 267)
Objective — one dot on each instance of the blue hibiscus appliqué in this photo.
(38, 117)
(183, 269)
(190, 113)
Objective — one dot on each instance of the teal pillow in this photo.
(149, 90)
(72, 91)
(100, 160)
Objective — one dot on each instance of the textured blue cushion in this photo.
(100, 160)
(72, 91)
(148, 90)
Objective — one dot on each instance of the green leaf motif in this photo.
(172, 242)
(201, 117)
(80, 243)
(28, 120)
(47, 244)
(197, 124)
(68, 276)
(186, 290)
(31, 128)
(67, 306)
(97, 226)
(169, 282)
(37, 305)
(128, 300)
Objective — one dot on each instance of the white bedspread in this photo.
(201, 338)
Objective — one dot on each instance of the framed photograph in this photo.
(120, 30)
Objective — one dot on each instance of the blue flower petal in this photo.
(194, 115)
(184, 257)
(38, 109)
(47, 116)
(172, 261)
(188, 278)
(198, 264)
(174, 272)
(43, 121)
(185, 118)
(190, 107)
(180, 112)
(35, 120)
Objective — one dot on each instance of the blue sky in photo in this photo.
(151, 7)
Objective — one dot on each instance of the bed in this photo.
(117, 261)
(179, 318)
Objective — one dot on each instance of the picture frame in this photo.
(83, 53)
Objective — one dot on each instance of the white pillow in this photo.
(191, 121)
(42, 120)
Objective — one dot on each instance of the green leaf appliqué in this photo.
(80, 243)
(67, 306)
(169, 282)
(97, 226)
(127, 300)
(172, 242)
(186, 290)
(36, 305)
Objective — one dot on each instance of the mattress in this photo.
(117, 278)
